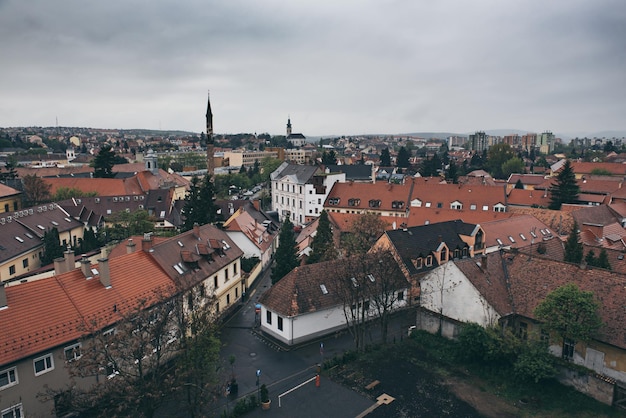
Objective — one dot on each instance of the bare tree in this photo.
(352, 291)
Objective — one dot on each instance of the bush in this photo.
(535, 363)
(247, 264)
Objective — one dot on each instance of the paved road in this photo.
(283, 368)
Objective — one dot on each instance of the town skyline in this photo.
(395, 68)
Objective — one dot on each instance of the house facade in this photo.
(299, 191)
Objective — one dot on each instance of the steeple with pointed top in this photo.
(210, 151)
(288, 126)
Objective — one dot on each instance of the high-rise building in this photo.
(478, 141)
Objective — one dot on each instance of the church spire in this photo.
(288, 126)
(210, 151)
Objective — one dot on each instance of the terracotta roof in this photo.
(615, 169)
(425, 216)
(521, 197)
(619, 208)
(531, 279)
(515, 232)
(49, 312)
(559, 221)
(259, 228)
(379, 196)
(532, 179)
(467, 195)
(343, 221)
(600, 215)
(103, 187)
(6, 191)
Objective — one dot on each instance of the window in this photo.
(280, 323)
(13, 412)
(439, 205)
(444, 254)
(568, 348)
(8, 377)
(485, 207)
(511, 239)
(215, 282)
(374, 203)
(225, 275)
(545, 336)
(12, 269)
(429, 261)
(6, 207)
(522, 331)
(25, 263)
(333, 201)
(472, 207)
(427, 204)
(43, 364)
(72, 352)
(235, 269)
(401, 295)
(397, 204)
(228, 299)
(418, 263)
(456, 206)
(354, 202)
(268, 317)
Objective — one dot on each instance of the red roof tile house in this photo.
(505, 288)
(385, 199)
(43, 322)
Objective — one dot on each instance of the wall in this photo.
(598, 388)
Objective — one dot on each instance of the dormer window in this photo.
(333, 201)
(429, 261)
(456, 205)
(374, 203)
(418, 263)
(354, 202)
(444, 254)
(397, 204)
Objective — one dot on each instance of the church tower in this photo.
(288, 126)
(210, 157)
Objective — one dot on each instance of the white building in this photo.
(299, 191)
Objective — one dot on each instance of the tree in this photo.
(430, 167)
(124, 224)
(453, 173)
(323, 246)
(9, 172)
(36, 190)
(199, 205)
(496, 157)
(519, 184)
(104, 162)
(90, 241)
(64, 193)
(51, 246)
(385, 158)
(535, 362)
(514, 165)
(590, 258)
(603, 260)
(364, 232)
(403, 159)
(573, 248)
(286, 257)
(571, 313)
(565, 190)
(329, 158)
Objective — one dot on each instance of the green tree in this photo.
(199, 205)
(573, 248)
(535, 362)
(590, 258)
(323, 246)
(453, 173)
(51, 246)
(104, 162)
(64, 193)
(329, 157)
(286, 257)
(385, 158)
(519, 184)
(9, 172)
(403, 159)
(514, 165)
(565, 190)
(603, 260)
(496, 157)
(124, 224)
(570, 313)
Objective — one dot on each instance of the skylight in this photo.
(68, 219)
(354, 282)
(371, 277)
(499, 241)
(511, 239)
(41, 227)
(19, 239)
(55, 223)
(28, 235)
(522, 237)
(324, 290)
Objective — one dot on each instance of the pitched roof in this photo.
(421, 241)
(299, 174)
(366, 196)
(425, 216)
(598, 215)
(616, 169)
(356, 172)
(6, 191)
(259, 228)
(559, 221)
(49, 312)
(521, 197)
(343, 221)
(468, 195)
(531, 279)
(515, 232)
(532, 179)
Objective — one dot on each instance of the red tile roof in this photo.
(46, 313)
(531, 279)
(424, 216)
(616, 169)
(521, 197)
(520, 228)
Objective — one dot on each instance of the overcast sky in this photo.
(336, 67)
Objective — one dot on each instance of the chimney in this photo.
(70, 261)
(146, 243)
(256, 204)
(130, 246)
(3, 296)
(196, 230)
(483, 262)
(85, 267)
(60, 266)
(103, 269)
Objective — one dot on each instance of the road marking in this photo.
(383, 399)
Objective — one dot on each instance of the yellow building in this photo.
(10, 199)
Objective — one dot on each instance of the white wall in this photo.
(447, 291)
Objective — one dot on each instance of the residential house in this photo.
(384, 199)
(420, 249)
(10, 199)
(458, 197)
(299, 191)
(306, 303)
(516, 232)
(529, 181)
(39, 337)
(363, 173)
(21, 238)
(600, 227)
(254, 232)
(505, 288)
